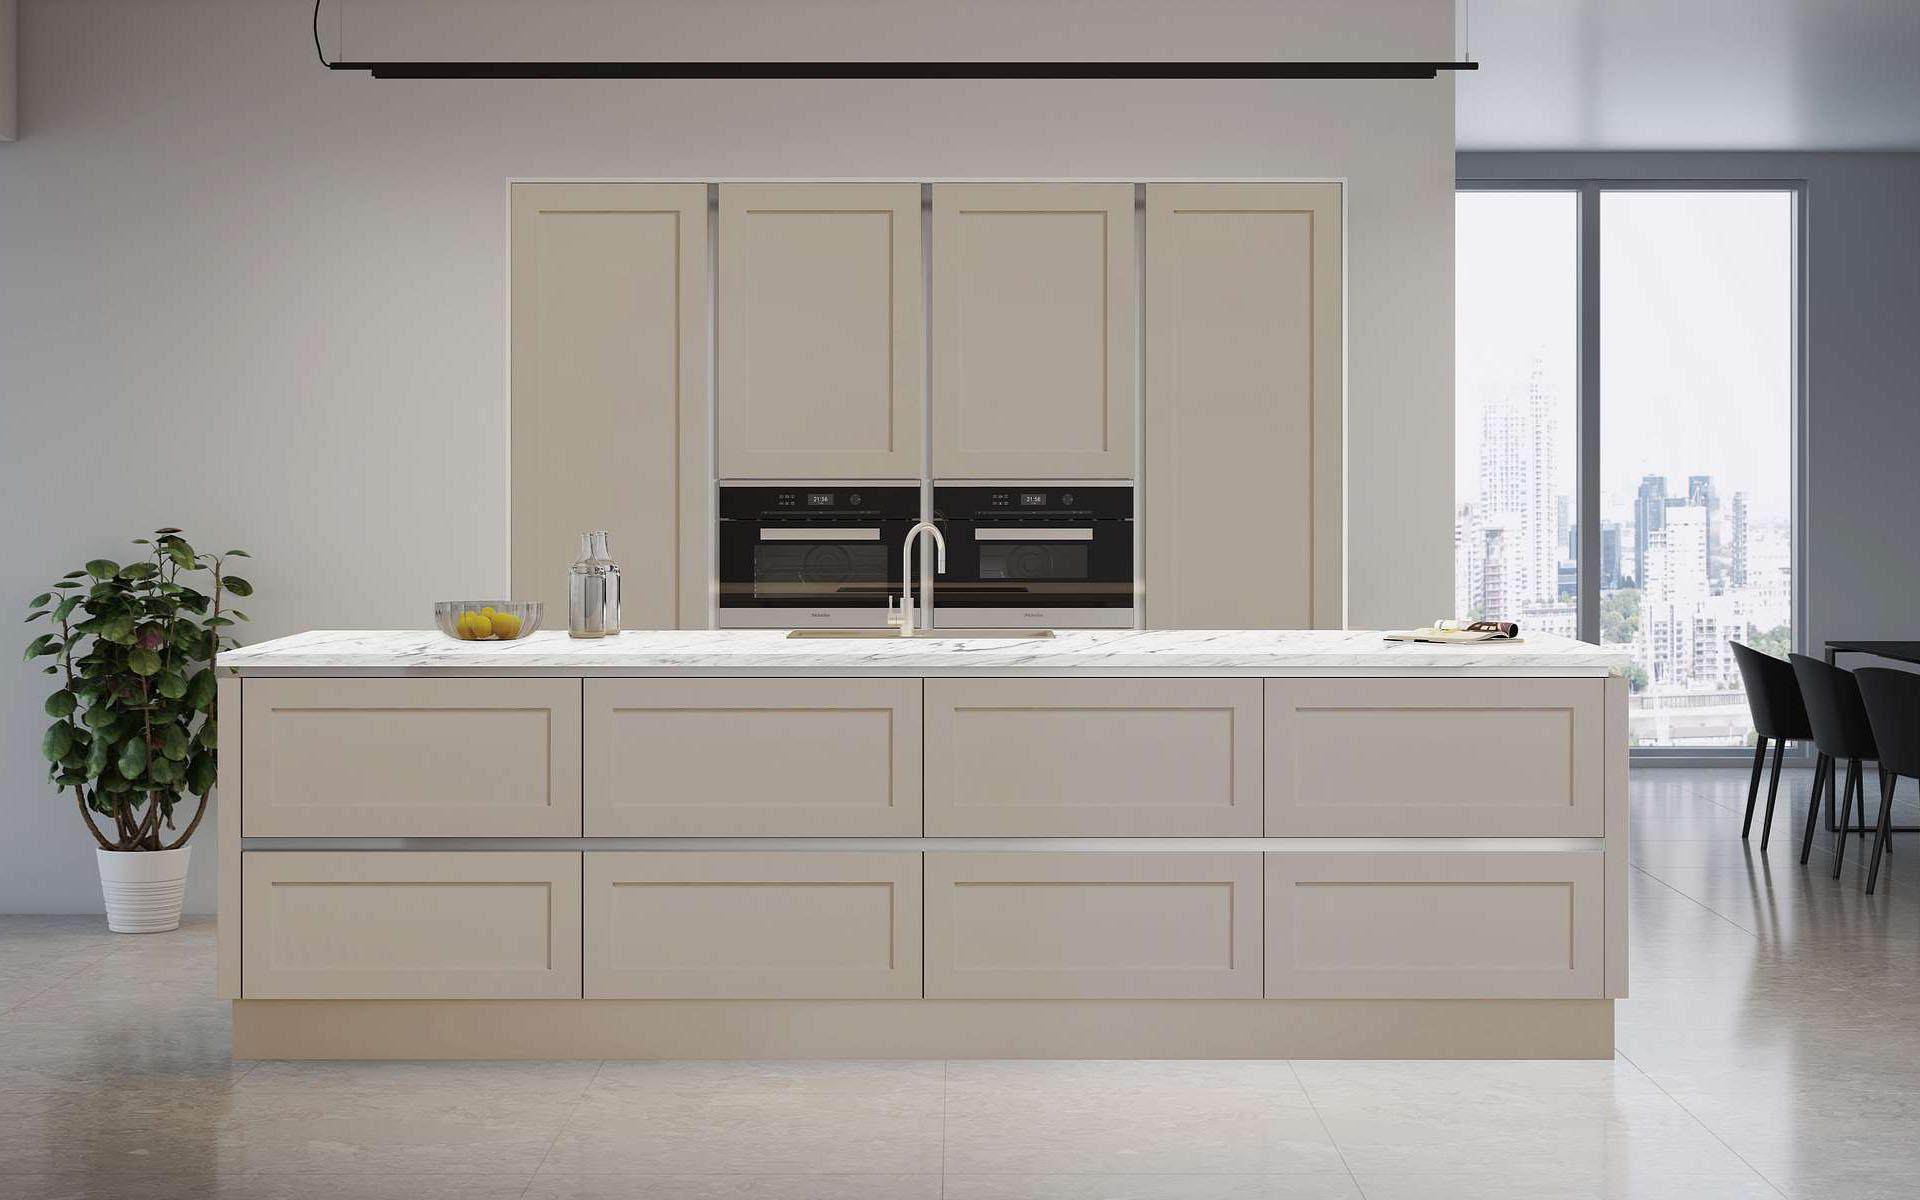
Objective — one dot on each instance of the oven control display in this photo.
(1033, 499)
(819, 499)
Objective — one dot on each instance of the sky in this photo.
(1696, 342)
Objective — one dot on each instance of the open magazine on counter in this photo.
(1452, 629)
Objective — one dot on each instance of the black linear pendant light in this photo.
(891, 70)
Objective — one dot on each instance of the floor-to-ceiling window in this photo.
(1627, 367)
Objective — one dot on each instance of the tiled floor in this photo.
(1772, 1048)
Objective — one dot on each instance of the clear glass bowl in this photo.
(472, 620)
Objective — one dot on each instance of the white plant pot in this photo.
(144, 889)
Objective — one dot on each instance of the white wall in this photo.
(262, 301)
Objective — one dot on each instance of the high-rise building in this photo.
(1519, 449)
(1700, 493)
(1649, 515)
(1609, 553)
(1737, 569)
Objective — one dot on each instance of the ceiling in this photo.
(1691, 75)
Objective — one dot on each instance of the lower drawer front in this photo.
(1434, 924)
(367, 925)
(741, 925)
(1093, 925)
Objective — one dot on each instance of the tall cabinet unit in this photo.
(1033, 330)
(609, 392)
(819, 345)
(1242, 483)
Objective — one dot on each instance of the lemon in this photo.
(506, 626)
(482, 626)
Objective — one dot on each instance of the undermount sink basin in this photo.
(934, 635)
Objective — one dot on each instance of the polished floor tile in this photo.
(1771, 1049)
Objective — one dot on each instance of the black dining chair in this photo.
(1893, 706)
(1779, 716)
(1840, 731)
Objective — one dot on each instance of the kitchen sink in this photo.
(935, 635)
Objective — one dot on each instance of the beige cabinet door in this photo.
(1436, 758)
(1244, 403)
(753, 757)
(1093, 757)
(410, 758)
(1093, 925)
(609, 386)
(1443, 924)
(1033, 331)
(752, 926)
(821, 369)
(374, 925)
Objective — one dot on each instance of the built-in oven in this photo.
(1050, 555)
(803, 555)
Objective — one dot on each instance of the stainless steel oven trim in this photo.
(1028, 533)
(958, 616)
(803, 618)
(782, 533)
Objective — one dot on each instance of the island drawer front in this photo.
(1030, 925)
(753, 757)
(411, 757)
(386, 925)
(750, 925)
(1436, 758)
(1093, 758)
(1440, 924)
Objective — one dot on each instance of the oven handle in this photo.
(1030, 533)
(783, 533)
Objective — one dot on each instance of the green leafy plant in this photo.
(134, 728)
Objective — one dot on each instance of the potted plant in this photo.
(134, 730)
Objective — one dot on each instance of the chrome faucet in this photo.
(902, 615)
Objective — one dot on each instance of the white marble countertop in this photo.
(763, 652)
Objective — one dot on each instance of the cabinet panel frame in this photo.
(264, 815)
(545, 432)
(947, 871)
(1116, 457)
(1163, 408)
(604, 784)
(899, 871)
(1240, 698)
(420, 871)
(1580, 870)
(738, 458)
(1582, 814)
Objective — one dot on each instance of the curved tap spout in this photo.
(907, 564)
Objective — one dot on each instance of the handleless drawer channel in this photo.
(411, 757)
(753, 758)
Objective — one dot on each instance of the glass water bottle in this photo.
(593, 594)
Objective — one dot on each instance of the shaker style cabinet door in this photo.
(1033, 331)
(410, 758)
(609, 384)
(1436, 757)
(821, 368)
(752, 757)
(1441, 924)
(386, 925)
(1093, 925)
(1093, 757)
(1244, 399)
(744, 925)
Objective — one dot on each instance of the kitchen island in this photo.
(1111, 844)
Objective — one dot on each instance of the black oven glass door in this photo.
(779, 566)
(1005, 566)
